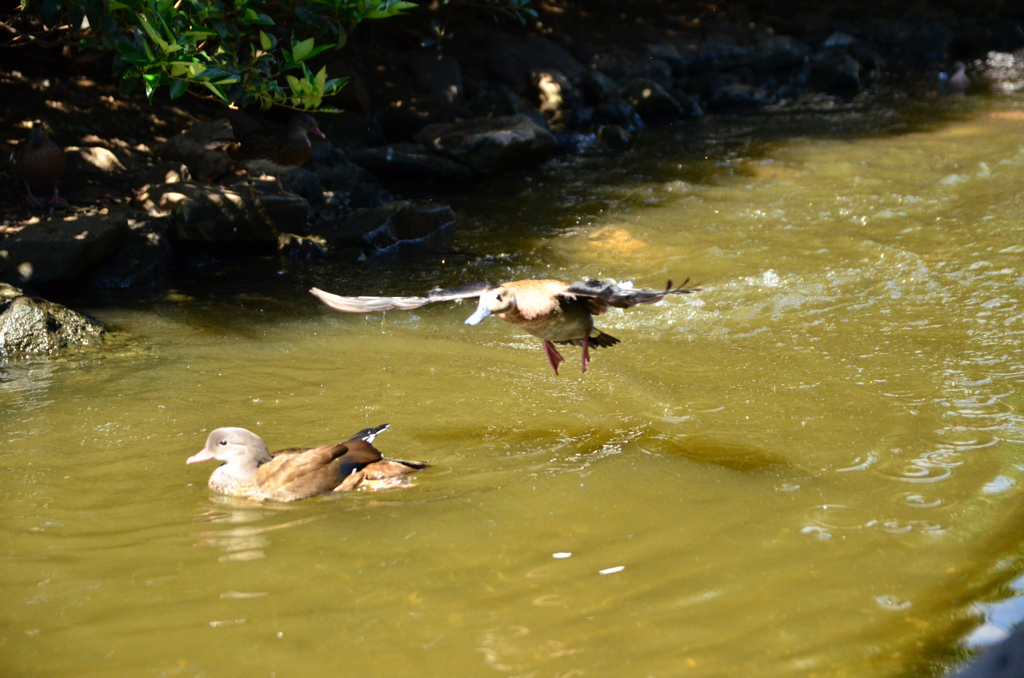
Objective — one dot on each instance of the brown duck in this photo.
(551, 310)
(273, 153)
(40, 162)
(249, 470)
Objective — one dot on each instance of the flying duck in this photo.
(249, 470)
(554, 311)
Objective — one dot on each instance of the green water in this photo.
(812, 468)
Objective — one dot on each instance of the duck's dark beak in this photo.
(202, 455)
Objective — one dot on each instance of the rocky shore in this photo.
(145, 182)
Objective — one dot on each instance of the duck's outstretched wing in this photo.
(624, 295)
(371, 304)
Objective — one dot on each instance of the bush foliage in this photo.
(241, 51)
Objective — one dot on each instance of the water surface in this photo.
(811, 468)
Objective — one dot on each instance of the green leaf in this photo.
(301, 50)
(265, 42)
(178, 87)
(114, 4)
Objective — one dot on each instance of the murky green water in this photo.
(813, 468)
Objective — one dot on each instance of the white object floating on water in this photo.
(613, 570)
(561, 554)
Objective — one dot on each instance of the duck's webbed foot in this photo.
(554, 357)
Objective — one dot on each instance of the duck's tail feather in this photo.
(600, 339)
(368, 434)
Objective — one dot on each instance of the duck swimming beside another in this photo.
(249, 470)
(554, 311)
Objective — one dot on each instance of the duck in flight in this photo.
(553, 311)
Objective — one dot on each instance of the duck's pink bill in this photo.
(202, 455)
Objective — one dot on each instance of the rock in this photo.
(669, 55)
(142, 261)
(778, 52)
(651, 100)
(61, 248)
(305, 183)
(555, 95)
(835, 72)
(598, 87)
(617, 112)
(301, 248)
(736, 95)
(95, 158)
(1005, 71)
(200, 147)
(201, 213)
(348, 181)
(29, 325)
(403, 117)
(721, 56)
(512, 59)
(690, 105)
(382, 228)
(493, 145)
(409, 161)
(438, 75)
(615, 136)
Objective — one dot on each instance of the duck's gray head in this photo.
(231, 444)
(496, 300)
(302, 124)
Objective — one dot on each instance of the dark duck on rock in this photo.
(272, 153)
(249, 470)
(40, 162)
(553, 311)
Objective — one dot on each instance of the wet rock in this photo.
(618, 112)
(669, 55)
(29, 325)
(615, 136)
(1005, 71)
(201, 213)
(410, 161)
(598, 87)
(403, 117)
(61, 248)
(200, 147)
(835, 72)
(305, 183)
(383, 228)
(438, 75)
(141, 262)
(718, 56)
(651, 101)
(511, 60)
(778, 52)
(733, 95)
(349, 182)
(493, 145)
(556, 97)
(838, 41)
(690, 105)
(302, 248)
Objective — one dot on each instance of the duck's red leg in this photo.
(554, 357)
(31, 199)
(586, 352)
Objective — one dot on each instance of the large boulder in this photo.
(404, 162)
(512, 59)
(143, 260)
(491, 146)
(387, 227)
(33, 326)
(201, 213)
(348, 182)
(61, 248)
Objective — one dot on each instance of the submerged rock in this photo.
(29, 325)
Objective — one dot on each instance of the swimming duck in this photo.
(273, 153)
(554, 311)
(40, 162)
(250, 471)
